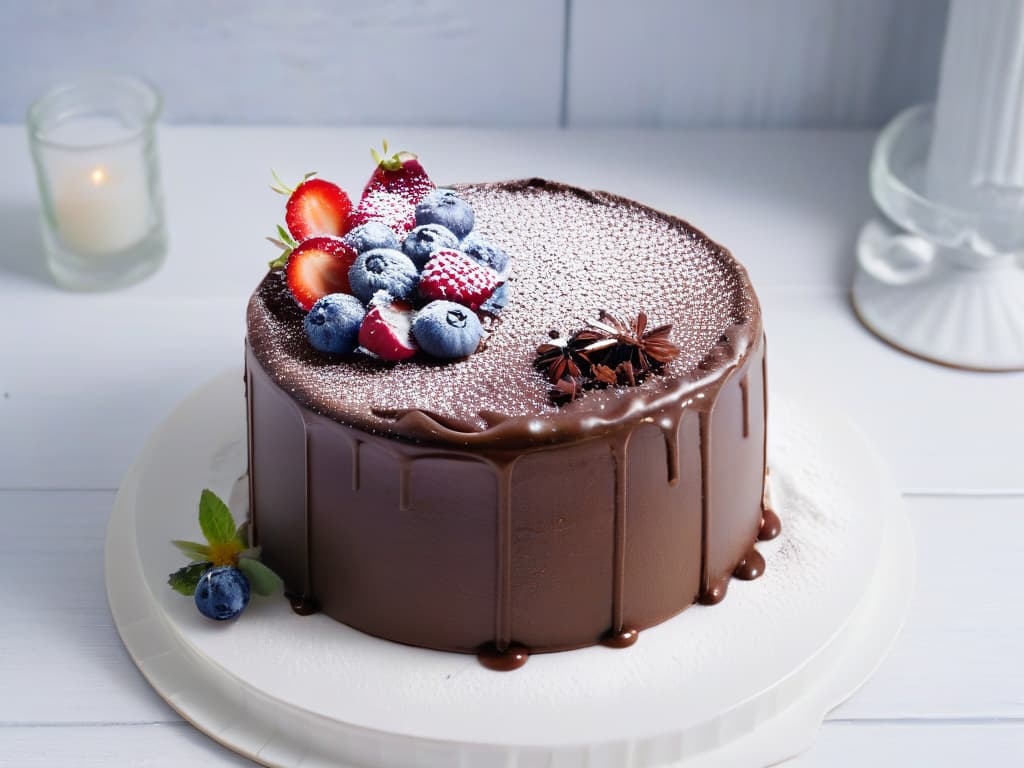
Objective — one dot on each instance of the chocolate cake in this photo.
(459, 507)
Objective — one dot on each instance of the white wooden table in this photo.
(84, 378)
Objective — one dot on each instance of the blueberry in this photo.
(497, 302)
(483, 251)
(332, 325)
(444, 207)
(372, 234)
(447, 330)
(382, 269)
(426, 239)
(222, 593)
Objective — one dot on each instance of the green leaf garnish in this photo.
(185, 580)
(242, 534)
(215, 518)
(193, 550)
(253, 553)
(286, 236)
(262, 580)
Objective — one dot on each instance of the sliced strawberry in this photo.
(453, 276)
(400, 174)
(317, 267)
(387, 330)
(316, 207)
(386, 207)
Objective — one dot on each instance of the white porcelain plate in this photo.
(746, 682)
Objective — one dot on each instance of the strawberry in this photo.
(317, 267)
(386, 207)
(400, 174)
(453, 276)
(315, 207)
(386, 330)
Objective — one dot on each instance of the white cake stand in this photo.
(743, 683)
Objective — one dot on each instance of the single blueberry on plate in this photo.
(444, 207)
(222, 593)
(485, 252)
(446, 330)
(426, 239)
(383, 269)
(372, 234)
(332, 325)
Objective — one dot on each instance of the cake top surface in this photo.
(574, 254)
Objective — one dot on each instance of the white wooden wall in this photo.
(747, 63)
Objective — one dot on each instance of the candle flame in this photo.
(98, 176)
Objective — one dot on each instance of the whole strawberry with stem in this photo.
(400, 174)
(314, 207)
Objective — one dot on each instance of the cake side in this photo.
(547, 549)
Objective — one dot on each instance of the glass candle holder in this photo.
(94, 147)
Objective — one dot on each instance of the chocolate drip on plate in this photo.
(750, 567)
(508, 660)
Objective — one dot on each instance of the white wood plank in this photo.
(789, 204)
(959, 653)
(746, 63)
(839, 745)
(63, 661)
(936, 745)
(441, 62)
(157, 745)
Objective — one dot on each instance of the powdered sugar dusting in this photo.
(573, 253)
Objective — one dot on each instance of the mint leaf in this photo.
(193, 550)
(242, 534)
(262, 580)
(253, 553)
(215, 519)
(185, 580)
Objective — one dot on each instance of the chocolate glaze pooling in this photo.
(454, 507)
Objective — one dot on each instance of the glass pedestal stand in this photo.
(942, 283)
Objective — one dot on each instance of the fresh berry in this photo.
(372, 234)
(447, 330)
(332, 325)
(383, 269)
(454, 276)
(317, 267)
(497, 302)
(315, 207)
(401, 174)
(424, 240)
(444, 207)
(387, 328)
(385, 207)
(222, 593)
(483, 251)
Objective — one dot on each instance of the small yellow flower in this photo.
(225, 553)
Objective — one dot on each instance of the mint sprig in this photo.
(227, 544)
(185, 580)
(215, 518)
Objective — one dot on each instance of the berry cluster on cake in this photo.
(502, 418)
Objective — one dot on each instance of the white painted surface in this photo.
(84, 379)
(809, 63)
(440, 62)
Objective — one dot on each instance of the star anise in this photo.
(563, 357)
(646, 350)
(566, 390)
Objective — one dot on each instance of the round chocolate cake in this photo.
(461, 506)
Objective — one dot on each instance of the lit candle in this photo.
(101, 206)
